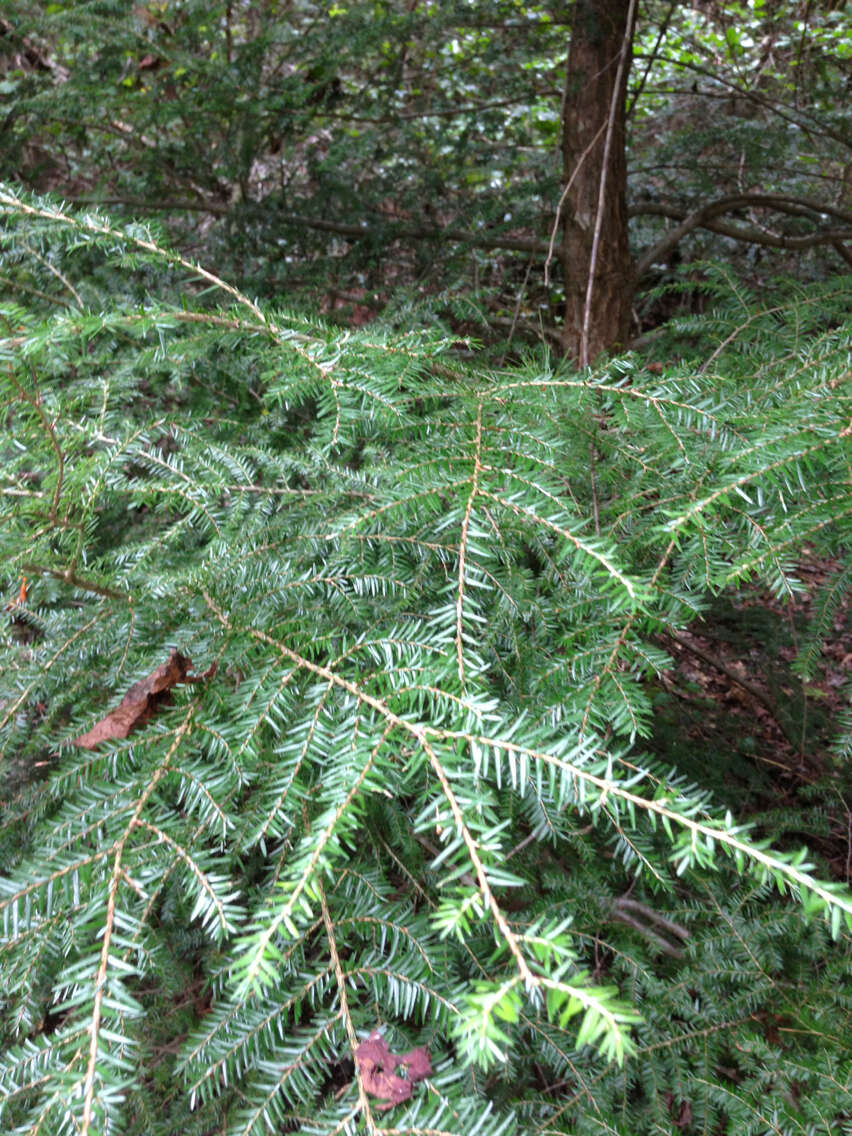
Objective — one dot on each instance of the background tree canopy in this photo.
(424, 528)
(364, 154)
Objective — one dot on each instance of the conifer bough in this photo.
(415, 786)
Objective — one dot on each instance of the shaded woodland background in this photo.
(371, 155)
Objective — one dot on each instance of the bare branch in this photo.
(651, 59)
(705, 217)
(782, 202)
(341, 228)
(785, 111)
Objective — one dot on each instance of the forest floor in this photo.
(749, 714)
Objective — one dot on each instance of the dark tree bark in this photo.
(594, 204)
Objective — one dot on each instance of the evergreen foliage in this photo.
(415, 794)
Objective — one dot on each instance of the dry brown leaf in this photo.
(142, 700)
(377, 1065)
(21, 597)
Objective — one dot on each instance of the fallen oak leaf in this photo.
(142, 700)
(377, 1065)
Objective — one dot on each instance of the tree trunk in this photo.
(594, 206)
